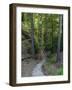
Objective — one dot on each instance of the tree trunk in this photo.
(46, 32)
(40, 38)
(59, 38)
(52, 37)
(32, 34)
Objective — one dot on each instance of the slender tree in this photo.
(40, 37)
(52, 27)
(59, 37)
(32, 33)
(46, 40)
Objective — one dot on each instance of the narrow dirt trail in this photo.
(37, 71)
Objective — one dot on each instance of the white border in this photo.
(63, 77)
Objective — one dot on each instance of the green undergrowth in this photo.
(52, 67)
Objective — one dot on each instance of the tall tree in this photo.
(32, 33)
(52, 27)
(59, 37)
(40, 37)
(46, 40)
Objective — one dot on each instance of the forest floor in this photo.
(31, 67)
(52, 67)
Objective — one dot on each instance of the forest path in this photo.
(37, 71)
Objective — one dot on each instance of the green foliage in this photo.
(52, 67)
(60, 71)
(52, 70)
(52, 58)
(45, 27)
